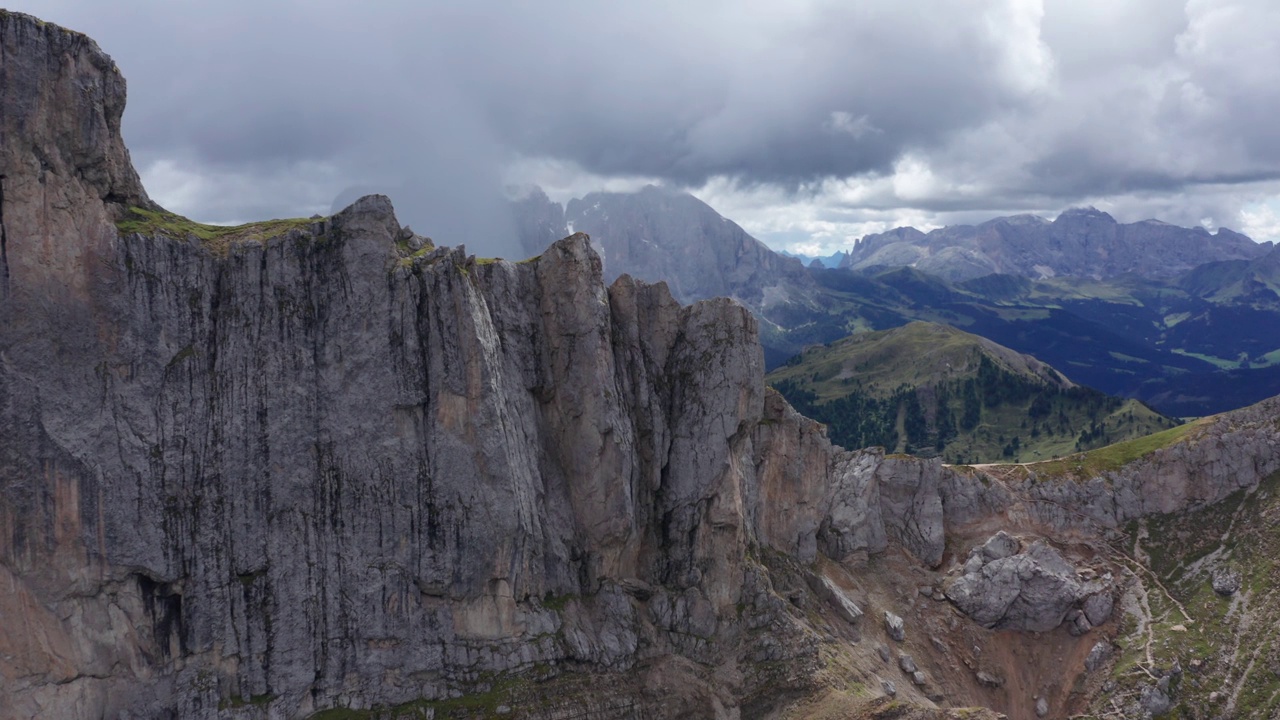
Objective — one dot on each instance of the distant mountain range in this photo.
(822, 261)
(1186, 320)
(1081, 242)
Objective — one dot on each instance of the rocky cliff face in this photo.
(333, 466)
(324, 465)
(1080, 242)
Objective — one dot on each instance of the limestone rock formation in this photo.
(1154, 702)
(847, 609)
(64, 99)
(1098, 655)
(1097, 607)
(1030, 590)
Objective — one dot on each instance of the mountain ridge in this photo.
(1080, 242)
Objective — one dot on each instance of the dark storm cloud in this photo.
(686, 94)
(941, 106)
(637, 88)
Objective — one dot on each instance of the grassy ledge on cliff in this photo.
(218, 238)
(1113, 457)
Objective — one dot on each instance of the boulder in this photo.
(1098, 608)
(907, 664)
(1097, 656)
(1077, 623)
(847, 609)
(1000, 546)
(894, 626)
(1154, 702)
(986, 679)
(1226, 581)
(974, 564)
(1032, 590)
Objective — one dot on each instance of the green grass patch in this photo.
(557, 603)
(217, 237)
(879, 362)
(1022, 313)
(1125, 358)
(1221, 363)
(933, 391)
(1113, 290)
(409, 257)
(504, 692)
(1112, 457)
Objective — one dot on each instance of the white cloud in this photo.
(563, 180)
(814, 220)
(1026, 61)
(914, 180)
(1261, 221)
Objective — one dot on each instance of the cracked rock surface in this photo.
(1030, 590)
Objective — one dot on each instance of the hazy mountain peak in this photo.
(1020, 219)
(1085, 212)
(660, 233)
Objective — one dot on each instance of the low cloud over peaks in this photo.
(844, 115)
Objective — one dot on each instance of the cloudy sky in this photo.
(809, 122)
